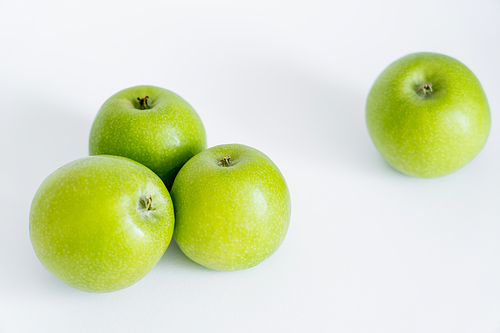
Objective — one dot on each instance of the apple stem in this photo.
(143, 102)
(226, 161)
(425, 89)
(149, 202)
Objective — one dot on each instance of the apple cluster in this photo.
(102, 222)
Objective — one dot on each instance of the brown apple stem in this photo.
(226, 161)
(149, 202)
(143, 102)
(425, 89)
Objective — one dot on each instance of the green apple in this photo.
(428, 115)
(232, 207)
(101, 223)
(150, 125)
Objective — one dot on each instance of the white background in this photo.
(368, 249)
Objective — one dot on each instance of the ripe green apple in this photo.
(428, 115)
(150, 125)
(232, 207)
(101, 223)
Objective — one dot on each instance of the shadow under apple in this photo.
(174, 257)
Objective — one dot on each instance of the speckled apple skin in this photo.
(431, 135)
(230, 218)
(87, 227)
(162, 138)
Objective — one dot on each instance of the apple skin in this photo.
(432, 134)
(89, 225)
(162, 137)
(230, 217)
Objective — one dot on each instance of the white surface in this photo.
(368, 249)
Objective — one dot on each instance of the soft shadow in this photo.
(174, 257)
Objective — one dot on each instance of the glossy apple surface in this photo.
(161, 131)
(428, 115)
(101, 223)
(232, 207)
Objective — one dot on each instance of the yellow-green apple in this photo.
(232, 207)
(428, 115)
(101, 223)
(150, 125)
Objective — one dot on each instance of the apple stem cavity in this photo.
(226, 161)
(425, 89)
(143, 102)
